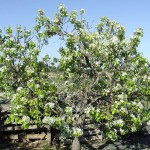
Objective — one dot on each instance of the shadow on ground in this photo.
(137, 141)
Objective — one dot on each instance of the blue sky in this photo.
(130, 13)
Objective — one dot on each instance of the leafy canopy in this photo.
(100, 72)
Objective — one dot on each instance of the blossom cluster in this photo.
(68, 110)
(49, 120)
(118, 122)
(26, 119)
(50, 105)
(77, 132)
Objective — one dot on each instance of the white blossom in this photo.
(29, 70)
(61, 119)
(107, 124)
(8, 58)
(3, 68)
(121, 130)
(31, 80)
(124, 74)
(26, 119)
(140, 105)
(125, 42)
(18, 107)
(88, 110)
(115, 130)
(122, 96)
(22, 99)
(134, 79)
(19, 88)
(134, 103)
(49, 120)
(41, 96)
(14, 97)
(133, 116)
(117, 87)
(50, 104)
(122, 101)
(68, 110)
(82, 11)
(118, 122)
(115, 40)
(37, 86)
(77, 132)
(124, 110)
(56, 20)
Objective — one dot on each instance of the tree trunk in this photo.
(76, 144)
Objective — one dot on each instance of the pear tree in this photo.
(105, 77)
(100, 72)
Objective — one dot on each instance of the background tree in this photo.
(26, 80)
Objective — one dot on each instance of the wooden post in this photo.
(0, 123)
(49, 138)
